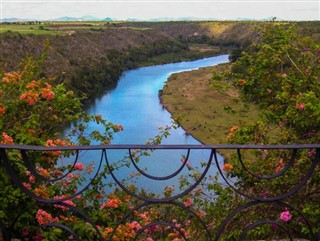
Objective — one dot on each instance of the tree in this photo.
(34, 111)
(281, 74)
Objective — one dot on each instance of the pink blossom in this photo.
(79, 166)
(6, 138)
(32, 179)
(64, 208)
(26, 185)
(310, 153)
(43, 217)
(38, 237)
(187, 223)
(285, 216)
(188, 203)
(149, 239)
(284, 75)
(265, 194)
(301, 106)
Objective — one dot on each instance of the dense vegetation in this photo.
(280, 73)
(89, 58)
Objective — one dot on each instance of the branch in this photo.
(294, 63)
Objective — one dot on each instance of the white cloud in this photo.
(143, 9)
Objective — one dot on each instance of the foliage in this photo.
(283, 67)
(33, 111)
(281, 74)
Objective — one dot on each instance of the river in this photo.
(134, 103)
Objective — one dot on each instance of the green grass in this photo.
(62, 28)
(206, 113)
(26, 29)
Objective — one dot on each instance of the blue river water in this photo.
(134, 104)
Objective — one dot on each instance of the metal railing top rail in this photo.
(146, 146)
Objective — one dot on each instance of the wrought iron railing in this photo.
(259, 202)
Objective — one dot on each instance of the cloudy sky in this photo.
(147, 9)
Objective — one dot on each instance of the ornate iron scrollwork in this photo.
(249, 201)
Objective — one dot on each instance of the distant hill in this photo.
(86, 18)
(12, 20)
(83, 18)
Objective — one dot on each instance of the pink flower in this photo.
(43, 217)
(284, 75)
(32, 179)
(79, 166)
(6, 139)
(285, 216)
(64, 208)
(310, 153)
(149, 239)
(26, 185)
(188, 203)
(111, 203)
(300, 106)
(265, 194)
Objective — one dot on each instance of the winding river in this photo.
(134, 104)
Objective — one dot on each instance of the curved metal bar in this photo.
(259, 223)
(283, 170)
(18, 183)
(146, 204)
(6, 234)
(157, 177)
(317, 238)
(255, 203)
(282, 196)
(162, 224)
(80, 213)
(31, 168)
(57, 225)
(156, 200)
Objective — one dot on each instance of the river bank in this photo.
(205, 112)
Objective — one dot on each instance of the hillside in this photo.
(89, 57)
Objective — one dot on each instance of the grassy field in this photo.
(61, 28)
(206, 113)
(27, 29)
